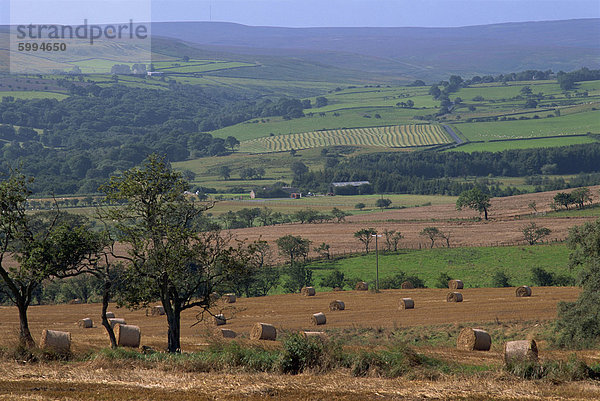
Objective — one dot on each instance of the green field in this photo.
(523, 144)
(475, 266)
(33, 95)
(571, 124)
(386, 137)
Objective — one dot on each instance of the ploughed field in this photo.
(291, 312)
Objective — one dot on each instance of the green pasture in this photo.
(386, 137)
(523, 144)
(579, 123)
(475, 266)
(191, 68)
(33, 95)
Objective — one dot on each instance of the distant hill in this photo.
(428, 53)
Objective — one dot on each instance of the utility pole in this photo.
(376, 262)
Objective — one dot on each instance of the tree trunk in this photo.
(485, 213)
(25, 338)
(105, 322)
(174, 334)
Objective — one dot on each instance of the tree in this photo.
(392, 238)
(293, 247)
(360, 206)
(231, 142)
(581, 196)
(41, 247)
(225, 172)
(321, 101)
(564, 199)
(578, 323)
(339, 214)
(475, 199)
(532, 233)
(365, 236)
(299, 168)
(383, 203)
(324, 250)
(432, 233)
(167, 258)
(334, 279)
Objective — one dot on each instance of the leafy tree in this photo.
(365, 236)
(474, 199)
(432, 233)
(321, 101)
(248, 215)
(166, 257)
(500, 279)
(383, 203)
(324, 250)
(231, 142)
(298, 168)
(225, 172)
(293, 247)
(564, 199)
(392, 238)
(339, 214)
(581, 196)
(533, 233)
(334, 279)
(360, 206)
(188, 175)
(442, 280)
(42, 247)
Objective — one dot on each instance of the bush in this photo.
(442, 281)
(395, 281)
(394, 362)
(333, 279)
(545, 278)
(557, 371)
(500, 279)
(301, 354)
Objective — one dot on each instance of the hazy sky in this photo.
(300, 13)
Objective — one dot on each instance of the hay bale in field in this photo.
(407, 285)
(158, 310)
(407, 303)
(57, 341)
(474, 340)
(226, 333)
(85, 323)
(229, 298)
(454, 297)
(318, 319)
(455, 284)
(523, 291)
(220, 319)
(75, 301)
(362, 286)
(522, 350)
(308, 291)
(110, 315)
(114, 321)
(263, 331)
(320, 335)
(337, 305)
(214, 296)
(128, 335)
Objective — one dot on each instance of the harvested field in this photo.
(289, 312)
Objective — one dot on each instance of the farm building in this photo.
(351, 188)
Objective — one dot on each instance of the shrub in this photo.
(334, 279)
(500, 279)
(557, 371)
(442, 281)
(300, 354)
(545, 278)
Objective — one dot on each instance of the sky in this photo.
(299, 13)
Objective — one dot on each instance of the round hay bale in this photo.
(214, 296)
(474, 340)
(86, 323)
(128, 335)
(407, 285)
(522, 350)
(318, 319)
(337, 305)
(226, 333)
(454, 297)
(229, 298)
(308, 291)
(263, 331)
(362, 286)
(523, 291)
(220, 319)
(113, 322)
(455, 284)
(158, 310)
(407, 303)
(110, 315)
(319, 335)
(57, 341)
